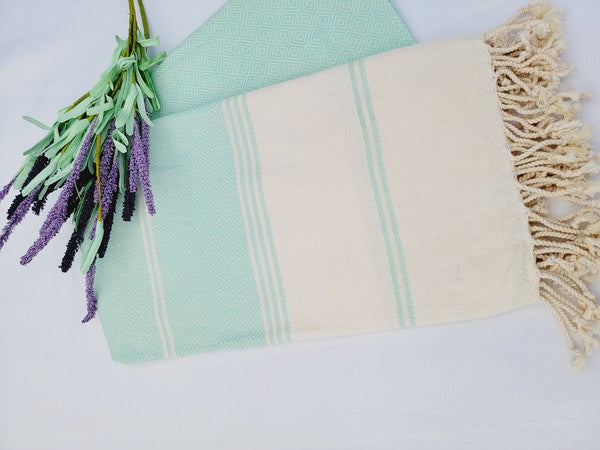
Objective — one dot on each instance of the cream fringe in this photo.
(552, 158)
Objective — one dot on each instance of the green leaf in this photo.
(37, 123)
(129, 123)
(90, 253)
(125, 62)
(40, 177)
(146, 42)
(40, 145)
(142, 84)
(127, 110)
(77, 111)
(156, 59)
(23, 172)
(42, 193)
(141, 106)
(122, 168)
(81, 195)
(101, 107)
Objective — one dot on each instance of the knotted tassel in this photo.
(552, 159)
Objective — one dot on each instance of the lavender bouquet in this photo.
(97, 148)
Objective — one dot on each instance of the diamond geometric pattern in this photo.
(250, 44)
(210, 292)
(212, 302)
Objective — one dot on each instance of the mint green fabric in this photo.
(250, 44)
(204, 284)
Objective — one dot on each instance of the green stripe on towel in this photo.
(381, 193)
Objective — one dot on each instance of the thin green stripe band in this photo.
(246, 202)
(387, 194)
(267, 225)
(252, 176)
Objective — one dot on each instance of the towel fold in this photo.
(401, 189)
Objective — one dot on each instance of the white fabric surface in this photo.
(502, 382)
(450, 176)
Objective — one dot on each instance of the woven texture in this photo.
(319, 207)
(247, 44)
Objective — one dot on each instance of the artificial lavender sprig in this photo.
(96, 150)
(78, 233)
(108, 222)
(58, 214)
(39, 204)
(143, 167)
(128, 201)
(40, 163)
(91, 300)
(6, 189)
(17, 217)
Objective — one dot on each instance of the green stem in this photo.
(132, 28)
(78, 101)
(144, 19)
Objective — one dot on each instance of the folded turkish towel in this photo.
(246, 45)
(250, 44)
(404, 189)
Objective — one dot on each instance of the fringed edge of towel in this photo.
(552, 159)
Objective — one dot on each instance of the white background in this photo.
(502, 382)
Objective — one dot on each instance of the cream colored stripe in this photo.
(161, 290)
(227, 105)
(389, 226)
(157, 319)
(269, 264)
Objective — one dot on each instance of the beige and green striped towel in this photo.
(402, 189)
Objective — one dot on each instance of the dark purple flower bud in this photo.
(35, 169)
(92, 302)
(14, 205)
(128, 205)
(39, 204)
(108, 222)
(39, 164)
(77, 237)
(58, 214)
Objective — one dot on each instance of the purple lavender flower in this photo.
(143, 167)
(110, 179)
(111, 185)
(18, 215)
(58, 214)
(136, 149)
(92, 302)
(6, 189)
(106, 163)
